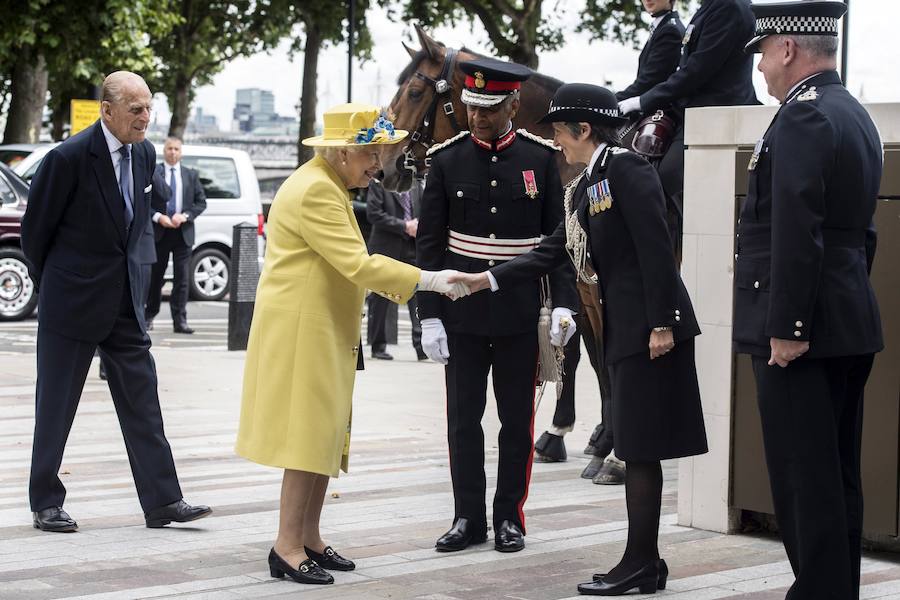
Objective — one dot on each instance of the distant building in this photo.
(202, 124)
(254, 112)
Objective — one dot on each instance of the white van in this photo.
(232, 197)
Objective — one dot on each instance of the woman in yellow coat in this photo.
(304, 339)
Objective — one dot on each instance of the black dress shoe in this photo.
(660, 581)
(549, 448)
(179, 512)
(182, 328)
(381, 355)
(54, 519)
(509, 537)
(645, 580)
(306, 572)
(462, 535)
(331, 560)
(610, 473)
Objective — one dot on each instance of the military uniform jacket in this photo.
(805, 236)
(659, 58)
(482, 192)
(630, 250)
(714, 70)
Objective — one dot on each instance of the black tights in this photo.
(643, 495)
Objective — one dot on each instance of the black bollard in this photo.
(244, 277)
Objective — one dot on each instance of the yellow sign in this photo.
(83, 114)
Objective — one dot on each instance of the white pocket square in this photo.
(148, 188)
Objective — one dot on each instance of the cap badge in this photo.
(479, 80)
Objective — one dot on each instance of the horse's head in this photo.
(429, 87)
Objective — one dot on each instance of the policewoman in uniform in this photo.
(661, 52)
(619, 233)
(713, 71)
(804, 307)
(491, 193)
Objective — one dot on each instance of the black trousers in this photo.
(812, 413)
(379, 307)
(512, 360)
(671, 175)
(564, 415)
(62, 366)
(171, 242)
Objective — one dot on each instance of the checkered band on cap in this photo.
(609, 112)
(797, 25)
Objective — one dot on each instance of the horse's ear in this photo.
(431, 47)
(412, 53)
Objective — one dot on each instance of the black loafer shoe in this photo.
(54, 519)
(183, 329)
(462, 535)
(331, 560)
(509, 537)
(178, 512)
(381, 355)
(306, 572)
(610, 474)
(645, 580)
(549, 448)
(661, 580)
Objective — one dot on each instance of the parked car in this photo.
(232, 194)
(27, 166)
(18, 298)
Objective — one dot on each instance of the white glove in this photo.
(560, 336)
(629, 105)
(436, 281)
(434, 340)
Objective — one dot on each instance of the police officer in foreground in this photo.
(491, 194)
(804, 307)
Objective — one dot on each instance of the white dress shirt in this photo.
(179, 188)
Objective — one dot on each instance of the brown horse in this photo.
(428, 103)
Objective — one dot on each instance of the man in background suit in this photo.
(395, 222)
(175, 206)
(88, 240)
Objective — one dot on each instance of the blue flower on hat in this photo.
(381, 130)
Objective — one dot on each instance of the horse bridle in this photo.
(424, 133)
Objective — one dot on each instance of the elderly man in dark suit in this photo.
(175, 207)
(88, 240)
(395, 222)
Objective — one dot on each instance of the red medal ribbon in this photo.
(530, 184)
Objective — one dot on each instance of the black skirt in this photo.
(656, 408)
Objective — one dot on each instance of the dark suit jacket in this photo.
(385, 214)
(805, 237)
(714, 69)
(631, 251)
(74, 236)
(659, 57)
(193, 200)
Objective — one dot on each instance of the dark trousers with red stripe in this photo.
(512, 362)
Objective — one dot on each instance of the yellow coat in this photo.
(305, 335)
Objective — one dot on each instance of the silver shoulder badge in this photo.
(810, 94)
(446, 143)
(619, 150)
(536, 138)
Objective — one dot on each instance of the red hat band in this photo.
(483, 85)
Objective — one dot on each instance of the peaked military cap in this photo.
(799, 17)
(584, 103)
(489, 81)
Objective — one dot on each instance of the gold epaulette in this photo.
(446, 143)
(536, 138)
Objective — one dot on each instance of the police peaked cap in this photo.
(584, 103)
(489, 81)
(799, 17)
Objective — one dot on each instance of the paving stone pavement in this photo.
(385, 514)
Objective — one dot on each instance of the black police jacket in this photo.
(631, 252)
(714, 70)
(482, 192)
(659, 58)
(806, 239)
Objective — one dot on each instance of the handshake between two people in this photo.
(452, 283)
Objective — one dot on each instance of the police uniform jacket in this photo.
(659, 58)
(482, 192)
(631, 252)
(714, 70)
(805, 236)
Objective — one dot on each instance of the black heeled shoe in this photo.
(661, 580)
(306, 572)
(330, 559)
(645, 579)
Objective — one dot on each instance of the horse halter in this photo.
(424, 133)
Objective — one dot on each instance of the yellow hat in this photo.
(356, 125)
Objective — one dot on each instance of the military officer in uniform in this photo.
(491, 193)
(804, 307)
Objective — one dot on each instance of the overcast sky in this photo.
(873, 62)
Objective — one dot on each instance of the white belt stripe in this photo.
(489, 248)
